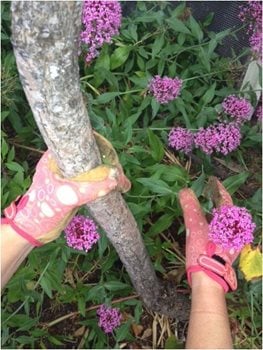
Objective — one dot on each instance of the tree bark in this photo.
(45, 40)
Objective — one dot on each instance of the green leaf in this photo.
(162, 224)
(208, 19)
(4, 149)
(11, 154)
(115, 285)
(103, 60)
(233, 183)
(178, 11)
(103, 244)
(156, 186)
(155, 107)
(181, 107)
(198, 184)
(223, 34)
(14, 166)
(46, 285)
(107, 97)
(178, 26)
(157, 45)
(132, 29)
(123, 331)
(95, 292)
(209, 95)
(4, 114)
(157, 149)
(174, 173)
(82, 305)
(161, 65)
(196, 29)
(119, 56)
(211, 46)
(181, 38)
(204, 58)
(255, 202)
(173, 343)
(54, 340)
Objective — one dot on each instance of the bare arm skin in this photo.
(14, 249)
(209, 325)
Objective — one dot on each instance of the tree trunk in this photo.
(45, 40)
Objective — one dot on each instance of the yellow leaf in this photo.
(250, 262)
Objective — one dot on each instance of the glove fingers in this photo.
(123, 183)
(193, 214)
(225, 196)
(217, 192)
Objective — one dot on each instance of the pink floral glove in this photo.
(215, 258)
(52, 200)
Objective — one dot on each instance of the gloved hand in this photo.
(202, 254)
(52, 200)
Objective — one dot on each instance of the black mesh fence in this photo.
(225, 16)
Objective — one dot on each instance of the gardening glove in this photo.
(52, 200)
(202, 254)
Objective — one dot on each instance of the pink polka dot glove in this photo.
(201, 253)
(52, 200)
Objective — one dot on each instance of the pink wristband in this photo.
(10, 213)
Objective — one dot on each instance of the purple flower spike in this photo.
(251, 14)
(181, 139)
(221, 138)
(81, 233)
(165, 89)
(255, 42)
(109, 318)
(238, 108)
(259, 113)
(231, 227)
(101, 21)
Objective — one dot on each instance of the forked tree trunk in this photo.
(45, 40)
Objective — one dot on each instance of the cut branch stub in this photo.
(45, 39)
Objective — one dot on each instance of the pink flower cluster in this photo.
(221, 138)
(181, 139)
(81, 233)
(251, 13)
(259, 113)
(101, 21)
(231, 227)
(238, 108)
(165, 89)
(109, 318)
(255, 42)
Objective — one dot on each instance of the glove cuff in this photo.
(10, 213)
(220, 271)
(220, 268)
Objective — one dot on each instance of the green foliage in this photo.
(157, 38)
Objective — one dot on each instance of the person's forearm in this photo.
(14, 249)
(209, 325)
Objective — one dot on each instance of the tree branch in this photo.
(45, 40)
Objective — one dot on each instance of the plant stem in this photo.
(92, 88)
(148, 36)
(26, 299)
(139, 196)
(26, 147)
(208, 74)
(131, 91)
(202, 44)
(87, 76)
(94, 307)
